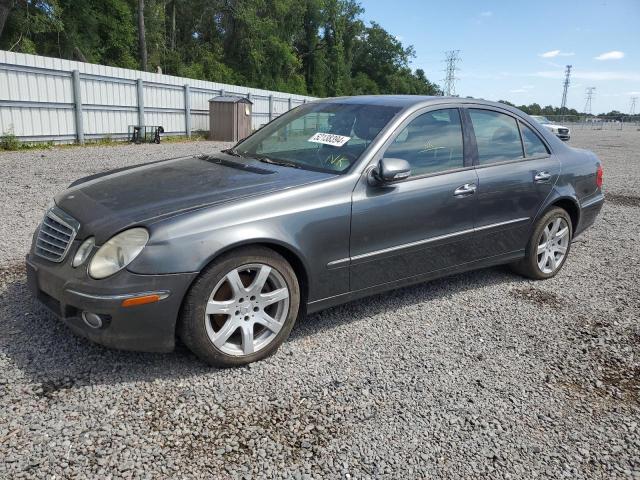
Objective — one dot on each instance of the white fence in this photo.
(50, 99)
(600, 122)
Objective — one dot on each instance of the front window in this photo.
(431, 143)
(319, 136)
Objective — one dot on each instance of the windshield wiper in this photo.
(261, 158)
(231, 151)
(271, 161)
(235, 164)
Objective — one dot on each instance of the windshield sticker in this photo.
(329, 139)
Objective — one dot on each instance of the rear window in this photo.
(497, 136)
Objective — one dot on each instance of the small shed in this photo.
(229, 118)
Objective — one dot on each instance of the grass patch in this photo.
(195, 136)
(10, 142)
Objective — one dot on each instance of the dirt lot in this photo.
(479, 375)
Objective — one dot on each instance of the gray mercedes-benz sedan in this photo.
(335, 200)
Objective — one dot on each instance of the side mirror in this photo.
(390, 170)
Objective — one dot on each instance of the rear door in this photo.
(516, 172)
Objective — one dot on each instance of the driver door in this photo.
(422, 224)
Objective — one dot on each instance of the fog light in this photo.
(83, 252)
(92, 319)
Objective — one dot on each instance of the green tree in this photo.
(320, 47)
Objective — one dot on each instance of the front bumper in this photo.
(69, 291)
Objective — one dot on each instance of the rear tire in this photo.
(548, 247)
(241, 308)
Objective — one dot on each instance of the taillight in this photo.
(599, 174)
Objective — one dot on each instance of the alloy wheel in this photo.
(553, 245)
(246, 309)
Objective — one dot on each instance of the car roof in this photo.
(406, 101)
(415, 102)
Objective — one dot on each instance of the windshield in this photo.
(327, 137)
(541, 119)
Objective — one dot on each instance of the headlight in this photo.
(118, 252)
(83, 252)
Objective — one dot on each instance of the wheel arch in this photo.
(571, 206)
(289, 253)
(565, 199)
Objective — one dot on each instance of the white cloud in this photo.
(522, 89)
(550, 54)
(482, 75)
(633, 93)
(589, 75)
(488, 13)
(555, 53)
(612, 55)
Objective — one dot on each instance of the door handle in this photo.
(465, 190)
(541, 177)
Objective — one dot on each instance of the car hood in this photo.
(553, 125)
(107, 203)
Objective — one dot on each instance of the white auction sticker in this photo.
(329, 139)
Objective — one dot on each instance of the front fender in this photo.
(313, 225)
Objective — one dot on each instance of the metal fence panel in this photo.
(597, 122)
(42, 99)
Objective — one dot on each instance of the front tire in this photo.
(548, 247)
(241, 308)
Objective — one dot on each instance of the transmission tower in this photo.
(587, 104)
(567, 80)
(632, 107)
(451, 58)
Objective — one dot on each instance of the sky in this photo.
(518, 50)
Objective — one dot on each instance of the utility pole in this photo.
(587, 105)
(451, 58)
(632, 108)
(567, 80)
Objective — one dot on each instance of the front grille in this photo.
(55, 235)
(563, 131)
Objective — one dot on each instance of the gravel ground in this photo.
(483, 374)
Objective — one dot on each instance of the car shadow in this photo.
(49, 355)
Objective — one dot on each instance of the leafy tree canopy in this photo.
(315, 47)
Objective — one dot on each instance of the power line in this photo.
(632, 108)
(451, 58)
(567, 80)
(587, 105)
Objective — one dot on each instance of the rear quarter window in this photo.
(533, 145)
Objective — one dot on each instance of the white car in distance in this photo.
(560, 131)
